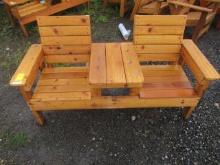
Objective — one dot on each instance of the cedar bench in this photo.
(47, 84)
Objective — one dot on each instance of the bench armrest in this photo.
(28, 68)
(197, 62)
(199, 8)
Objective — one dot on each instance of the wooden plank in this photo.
(70, 81)
(174, 30)
(167, 85)
(35, 9)
(165, 20)
(67, 49)
(163, 49)
(132, 67)
(61, 96)
(62, 88)
(67, 58)
(167, 93)
(199, 61)
(114, 63)
(64, 75)
(66, 40)
(109, 102)
(65, 70)
(63, 20)
(158, 57)
(162, 70)
(97, 74)
(29, 63)
(158, 39)
(165, 79)
(64, 30)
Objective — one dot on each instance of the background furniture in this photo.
(199, 17)
(151, 7)
(122, 5)
(26, 11)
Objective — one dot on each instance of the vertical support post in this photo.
(122, 8)
(96, 92)
(37, 115)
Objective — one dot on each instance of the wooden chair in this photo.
(64, 40)
(151, 7)
(47, 85)
(198, 17)
(159, 39)
(26, 11)
(122, 5)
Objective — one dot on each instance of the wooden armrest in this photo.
(202, 9)
(26, 71)
(15, 2)
(197, 62)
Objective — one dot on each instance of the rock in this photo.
(217, 105)
(133, 118)
(93, 138)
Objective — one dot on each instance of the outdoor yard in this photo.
(123, 137)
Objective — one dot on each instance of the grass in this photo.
(14, 140)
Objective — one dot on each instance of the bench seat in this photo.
(62, 84)
(166, 81)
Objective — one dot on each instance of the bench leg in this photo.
(38, 117)
(23, 28)
(188, 112)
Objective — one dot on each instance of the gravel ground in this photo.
(137, 136)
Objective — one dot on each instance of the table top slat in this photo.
(115, 66)
(132, 67)
(97, 74)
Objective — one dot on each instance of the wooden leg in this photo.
(23, 28)
(135, 9)
(134, 91)
(96, 92)
(199, 27)
(38, 117)
(188, 111)
(7, 8)
(122, 8)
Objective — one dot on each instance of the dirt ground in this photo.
(123, 137)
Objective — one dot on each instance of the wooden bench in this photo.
(99, 66)
(198, 17)
(26, 11)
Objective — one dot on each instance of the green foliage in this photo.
(15, 140)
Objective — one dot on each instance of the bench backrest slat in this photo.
(158, 37)
(65, 35)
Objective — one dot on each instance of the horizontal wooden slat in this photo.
(70, 81)
(67, 58)
(64, 30)
(157, 39)
(167, 85)
(64, 75)
(162, 70)
(157, 48)
(67, 49)
(65, 70)
(63, 20)
(174, 30)
(167, 93)
(165, 79)
(62, 88)
(66, 40)
(110, 102)
(61, 96)
(36, 8)
(175, 20)
(158, 57)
